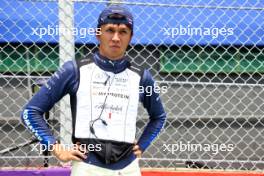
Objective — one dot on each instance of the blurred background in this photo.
(208, 53)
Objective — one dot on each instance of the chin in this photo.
(115, 55)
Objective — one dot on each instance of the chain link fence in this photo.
(207, 57)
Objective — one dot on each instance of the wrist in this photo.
(54, 148)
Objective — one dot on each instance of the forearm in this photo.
(151, 131)
(34, 121)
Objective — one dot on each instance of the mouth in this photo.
(115, 46)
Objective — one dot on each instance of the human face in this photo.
(114, 40)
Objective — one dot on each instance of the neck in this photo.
(115, 66)
(111, 58)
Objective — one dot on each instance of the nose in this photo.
(116, 37)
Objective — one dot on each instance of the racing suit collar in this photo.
(106, 64)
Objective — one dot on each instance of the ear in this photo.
(98, 37)
(130, 37)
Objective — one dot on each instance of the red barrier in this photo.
(66, 172)
(200, 173)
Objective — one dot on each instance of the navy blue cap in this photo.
(115, 14)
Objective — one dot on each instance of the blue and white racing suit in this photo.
(100, 89)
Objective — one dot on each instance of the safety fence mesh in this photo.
(206, 56)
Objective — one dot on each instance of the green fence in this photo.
(210, 60)
(37, 58)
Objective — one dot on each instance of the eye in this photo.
(110, 30)
(123, 32)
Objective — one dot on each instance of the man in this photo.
(105, 90)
